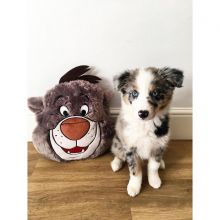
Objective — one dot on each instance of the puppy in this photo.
(142, 127)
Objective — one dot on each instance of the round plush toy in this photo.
(73, 118)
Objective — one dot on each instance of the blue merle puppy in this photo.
(142, 127)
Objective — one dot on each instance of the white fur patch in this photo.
(141, 135)
(153, 176)
(143, 82)
(134, 185)
(116, 164)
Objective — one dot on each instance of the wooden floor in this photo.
(90, 190)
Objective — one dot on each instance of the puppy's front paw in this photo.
(116, 164)
(133, 187)
(154, 181)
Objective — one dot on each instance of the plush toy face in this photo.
(75, 137)
(72, 118)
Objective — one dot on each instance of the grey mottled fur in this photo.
(133, 161)
(158, 153)
(117, 148)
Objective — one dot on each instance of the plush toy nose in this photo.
(75, 128)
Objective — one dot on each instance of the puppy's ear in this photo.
(173, 76)
(35, 104)
(122, 81)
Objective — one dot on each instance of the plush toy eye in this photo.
(84, 110)
(135, 94)
(64, 111)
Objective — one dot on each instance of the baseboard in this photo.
(180, 123)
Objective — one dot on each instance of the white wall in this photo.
(112, 35)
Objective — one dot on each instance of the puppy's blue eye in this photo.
(155, 93)
(135, 94)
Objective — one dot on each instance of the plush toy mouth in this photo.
(75, 150)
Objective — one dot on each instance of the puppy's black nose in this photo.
(143, 114)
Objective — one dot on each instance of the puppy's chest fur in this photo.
(145, 136)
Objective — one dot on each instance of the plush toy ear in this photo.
(173, 76)
(35, 104)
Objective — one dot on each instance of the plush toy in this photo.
(73, 117)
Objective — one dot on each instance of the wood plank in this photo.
(90, 190)
(33, 157)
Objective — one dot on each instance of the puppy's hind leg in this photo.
(134, 165)
(119, 153)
